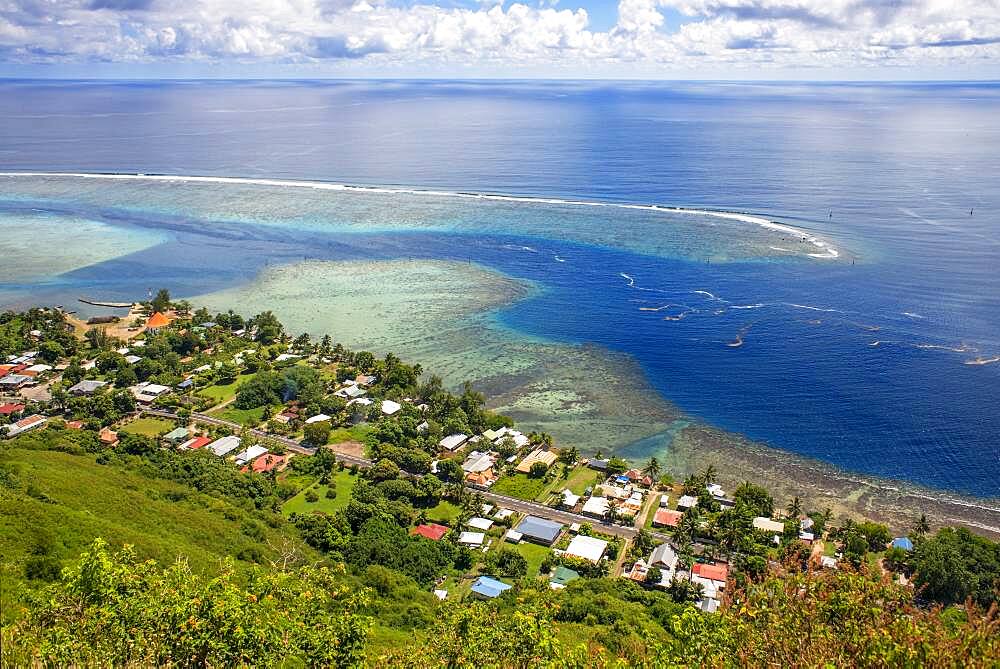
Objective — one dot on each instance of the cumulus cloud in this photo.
(744, 32)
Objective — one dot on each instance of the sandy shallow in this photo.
(443, 315)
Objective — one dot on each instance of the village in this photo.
(518, 505)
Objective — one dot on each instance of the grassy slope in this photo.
(344, 481)
(87, 500)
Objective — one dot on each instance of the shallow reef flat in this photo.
(443, 315)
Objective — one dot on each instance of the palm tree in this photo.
(652, 469)
(922, 526)
(599, 455)
(611, 515)
(794, 508)
(709, 476)
(690, 523)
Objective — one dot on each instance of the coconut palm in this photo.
(709, 475)
(652, 468)
(921, 527)
(794, 508)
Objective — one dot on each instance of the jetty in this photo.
(101, 303)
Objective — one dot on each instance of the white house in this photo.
(596, 506)
(225, 445)
(453, 441)
(471, 538)
(588, 548)
(389, 407)
(768, 525)
(569, 500)
(250, 454)
(479, 523)
(687, 502)
(318, 418)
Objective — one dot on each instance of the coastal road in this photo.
(520, 505)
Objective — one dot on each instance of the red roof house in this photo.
(667, 518)
(197, 442)
(430, 531)
(713, 572)
(10, 408)
(157, 321)
(269, 462)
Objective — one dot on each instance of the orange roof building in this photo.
(713, 572)
(667, 518)
(157, 321)
(430, 531)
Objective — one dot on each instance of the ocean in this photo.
(861, 332)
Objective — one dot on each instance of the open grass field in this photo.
(61, 502)
(344, 482)
(249, 417)
(149, 427)
(353, 433)
(520, 486)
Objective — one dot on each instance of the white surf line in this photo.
(826, 251)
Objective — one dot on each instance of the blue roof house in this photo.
(902, 542)
(488, 588)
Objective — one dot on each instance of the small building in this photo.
(351, 392)
(483, 479)
(767, 525)
(477, 462)
(587, 548)
(664, 558)
(539, 530)
(195, 443)
(479, 523)
(389, 407)
(177, 436)
(11, 408)
(431, 531)
(903, 543)
(318, 418)
(664, 500)
(250, 454)
(471, 539)
(156, 323)
(596, 507)
(225, 445)
(687, 502)
(599, 465)
(35, 370)
(186, 384)
(269, 462)
(561, 577)
(828, 562)
(513, 536)
(86, 387)
(453, 441)
(146, 392)
(25, 425)
(107, 436)
(15, 382)
(487, 587)
(569, 499)
(667, 518)
(132, 359)
(538, 455)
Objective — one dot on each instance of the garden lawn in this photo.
(226, 391)
(149, 427)
(241, 416)
(445, 513)
(520, 486)
(534, 554)
(353, 433)
(344, 481)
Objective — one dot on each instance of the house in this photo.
(664, 500)
(25, 424)
(35, 370)
(488, 588)
(478, 523)
(503, 513)
(807, 537)
(715, 490)
(389, 407)
(156, 323)
(569, 500)
(351, 392)
(285, 357)
(318, 418)
(250, 454)
(471, 539)
(452, 441)
(177, 436)
(687, 502)
(225, 445)
(483, 479)
(587, 548)
(616, 492)
(538, 455)
(269, 462)
(828, 562)
(146, 392)
(667, 518)
(902, 542)
(186, 383)
(768, 525)
(10, 408)
(664, 558)
(561, 576)
(513, 536)
(633, 504)
(540, 531)
(196, 443)
(596, 507)
(108, 437)
(15, 382)
(423, 427)
(132, 359)
(364, 380)
(431, 531)
(86, 387)
(74, 424)
(712, 579)
(478, 462)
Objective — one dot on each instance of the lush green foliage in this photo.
(955, 564)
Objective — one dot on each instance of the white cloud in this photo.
(795, 33)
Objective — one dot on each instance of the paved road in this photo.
(523, 506)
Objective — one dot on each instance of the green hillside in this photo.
(54, 504)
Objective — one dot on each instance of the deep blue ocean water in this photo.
(903, 178)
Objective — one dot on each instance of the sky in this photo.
(579, 39)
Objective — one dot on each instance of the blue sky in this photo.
(650, 39)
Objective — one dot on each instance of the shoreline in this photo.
(826, 250)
